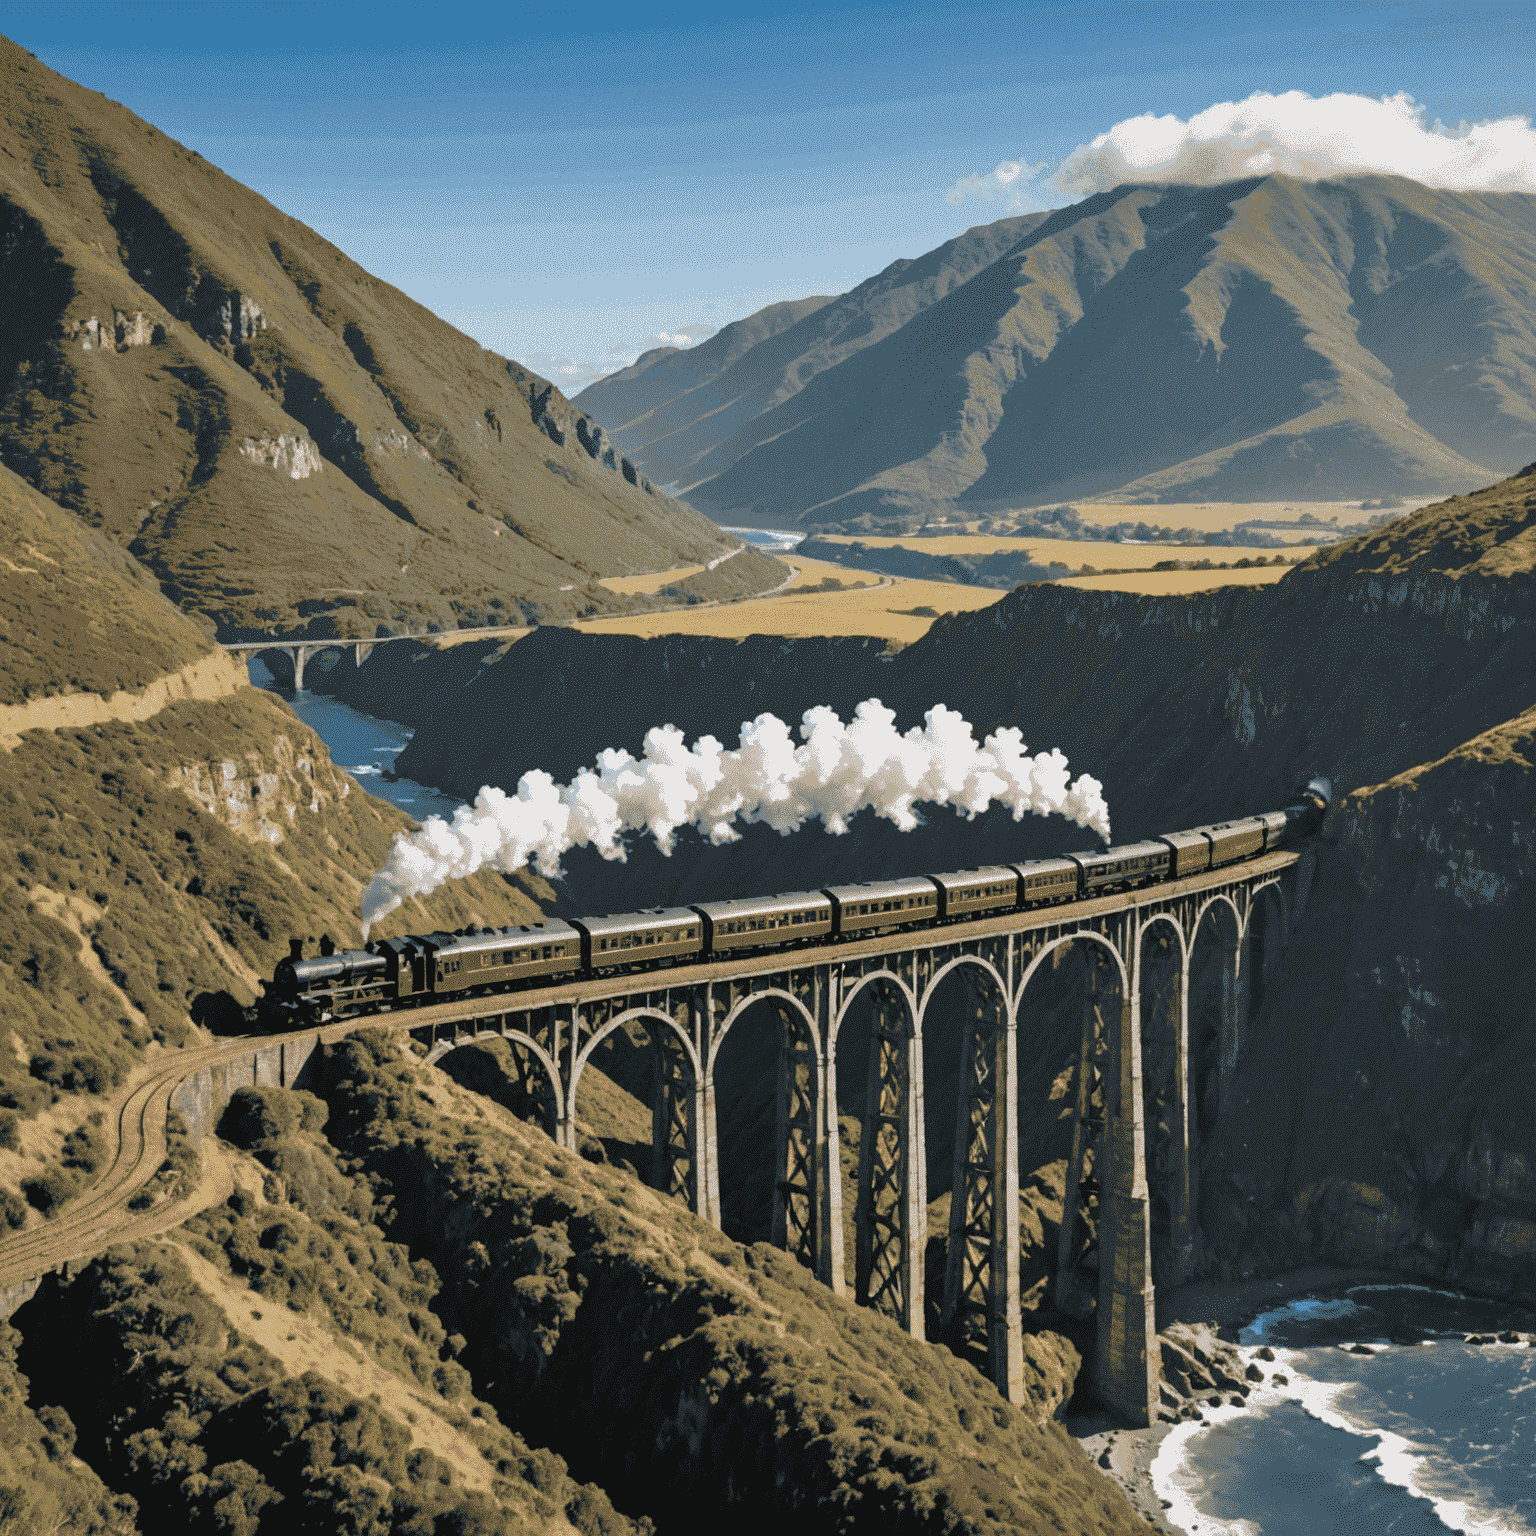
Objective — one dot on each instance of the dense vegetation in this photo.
(185, 1413)
(688, 1373)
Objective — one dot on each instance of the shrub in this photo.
(48, 1191)
(258, 1114)
(13, 1212)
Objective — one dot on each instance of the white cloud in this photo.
(572, 375)
(1307, 137)
(1004, 184)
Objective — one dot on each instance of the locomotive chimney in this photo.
(295, 949)
(327, 944)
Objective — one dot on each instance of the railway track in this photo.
(100, 1215)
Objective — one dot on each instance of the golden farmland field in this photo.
(882, 608)
(1072, 552)
(649, 581)
(1165, 583)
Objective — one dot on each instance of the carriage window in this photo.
(546, 951)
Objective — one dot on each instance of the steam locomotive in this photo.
(436, 967)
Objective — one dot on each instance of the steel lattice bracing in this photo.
(796, 1190)
(889, 1214)
(1139, 1087)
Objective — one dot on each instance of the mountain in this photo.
(1262, 339)
(686, 411)
(285, 441)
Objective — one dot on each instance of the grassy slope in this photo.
(275, 1365)
(696, 1377)
(283, 439)
(76, 612)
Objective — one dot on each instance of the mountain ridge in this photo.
(1327, 340)
(286, 441)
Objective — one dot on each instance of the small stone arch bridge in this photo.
(1142, 1088)
(299, 652)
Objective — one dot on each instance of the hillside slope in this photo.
(686, 415)
(157, 860)
(1320, 340)
(285, 441)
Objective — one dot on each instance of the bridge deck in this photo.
(564, 993)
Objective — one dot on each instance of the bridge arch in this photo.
(1083, 936)
(766, 1084)
(1272, 891)
(882, 977)
(974, 962)
(679, 1149)
(1219, 899)
(516, 1037)
(1145, 926)
(744, 1005)
(651, 1018)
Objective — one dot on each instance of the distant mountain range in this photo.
(284, 440)
(1258, 340)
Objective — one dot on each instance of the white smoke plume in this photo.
(1311, 138)
(837, 771)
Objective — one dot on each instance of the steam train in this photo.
(437, 967)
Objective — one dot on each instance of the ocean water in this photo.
(365, 747)
(1390, 1424)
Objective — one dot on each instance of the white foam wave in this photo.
(1173, 1478)
(1397, 1460)
(837, 771)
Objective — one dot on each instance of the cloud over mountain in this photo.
(1270, 336)
(1310, 138)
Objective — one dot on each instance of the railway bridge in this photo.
(299, 652)
(1141, 1090)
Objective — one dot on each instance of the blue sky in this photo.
(573, 180)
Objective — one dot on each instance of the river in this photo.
(365, 747)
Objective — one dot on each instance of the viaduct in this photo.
(299, 652)
(1143, 1085)
(1131, 1197)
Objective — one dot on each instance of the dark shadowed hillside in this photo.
(281, 438)
(1265, 338)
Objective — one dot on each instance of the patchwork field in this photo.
(860, 603)
(1163, 583)
(1075, 553)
